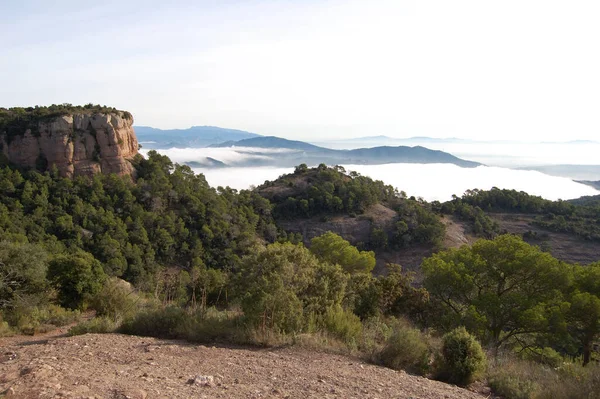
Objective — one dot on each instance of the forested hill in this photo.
(169, 217)
(570, 230)
(319, 255)
(366, 212)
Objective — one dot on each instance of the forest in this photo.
(169, 256)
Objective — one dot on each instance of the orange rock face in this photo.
(79, 144)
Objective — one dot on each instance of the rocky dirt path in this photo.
(119, 366)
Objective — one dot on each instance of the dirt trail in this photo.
(119, 366)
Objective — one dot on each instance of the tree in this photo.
(22, 272)
(499, 288)
(282, 284)
(332, 248)
(76, 277)
(583, 316)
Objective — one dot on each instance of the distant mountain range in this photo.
(293, 153)
(256, 150)
(594, 184)
(194, 137)
(578, 173)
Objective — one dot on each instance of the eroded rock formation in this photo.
(78, 144)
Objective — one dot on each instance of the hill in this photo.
(195, 136)
(594, 184)
(218, 266)
(292, 153)
(368, 213)
(567, 229)
(403, 230)
(272, 142)
(575, 172)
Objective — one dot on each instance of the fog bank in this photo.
(429, 181)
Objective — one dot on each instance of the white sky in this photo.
(525, 70)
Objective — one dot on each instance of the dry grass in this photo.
(520, 379)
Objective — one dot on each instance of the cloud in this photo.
(430, 181)
(231, 156)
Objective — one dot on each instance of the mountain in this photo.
(77, 140)
(286, 153)
(594, 184)
(576, 172)
(272, 142)
(195, 136)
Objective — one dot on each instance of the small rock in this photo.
(202, 380)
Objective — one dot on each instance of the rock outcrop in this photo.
(77, 144)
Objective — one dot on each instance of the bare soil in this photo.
(119, 366)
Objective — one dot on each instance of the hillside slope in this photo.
(118, 366)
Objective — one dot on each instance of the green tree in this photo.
(22, 272)
(332, 248)
(76, 277)
(282, 284)
(499, 288)
(583, 316)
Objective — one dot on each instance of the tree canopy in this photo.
(500, 288)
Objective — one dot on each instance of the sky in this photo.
(313, 70)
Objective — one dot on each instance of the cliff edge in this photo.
(83, 142)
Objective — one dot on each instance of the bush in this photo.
(5, 330)
(376, 332)
(116, 300)
(462, 360)
(31, 316)
(343, 324)
(406, 349)
(213, 325)
(97, 325)
(160, 323)
(514, 378)
(547, 356)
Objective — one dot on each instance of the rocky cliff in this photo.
(77, 144)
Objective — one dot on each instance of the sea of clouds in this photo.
(429, 181)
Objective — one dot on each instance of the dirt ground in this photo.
(119, 366)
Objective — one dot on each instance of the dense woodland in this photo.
(324, 193)
(211, 264)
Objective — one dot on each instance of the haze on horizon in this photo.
(316, 70)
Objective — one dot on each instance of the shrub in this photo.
(376, 332)
(406, 349)
(57, 316)
(97, 325)
(30, 316)
(343, 324)
(116, 300)
(212, 325)
(547, 356)
(162, 323)
(514, 378)
(5, 330)
(462, 360)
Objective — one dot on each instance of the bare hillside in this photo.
(563, 246)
